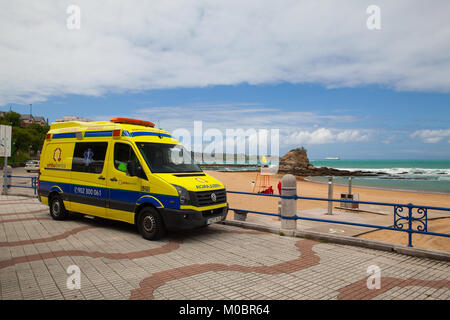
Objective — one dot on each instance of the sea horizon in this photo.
(414, 175)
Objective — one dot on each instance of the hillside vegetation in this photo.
(25, 140)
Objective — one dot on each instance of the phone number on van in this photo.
(87, 191)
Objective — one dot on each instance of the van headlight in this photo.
(183, 194)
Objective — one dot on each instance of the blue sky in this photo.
(312, 69)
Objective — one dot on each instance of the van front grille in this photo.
(203, 198)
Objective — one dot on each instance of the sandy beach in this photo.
(241, 181)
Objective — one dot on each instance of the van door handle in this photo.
(101, 178)
(113, 179)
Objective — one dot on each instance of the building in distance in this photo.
(27, 119)
(72, 118)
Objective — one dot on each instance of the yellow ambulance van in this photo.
(127, 170)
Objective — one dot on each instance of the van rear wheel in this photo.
(150, 224)
(57, 209)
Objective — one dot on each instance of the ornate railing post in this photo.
(410, 219)
(420, 218)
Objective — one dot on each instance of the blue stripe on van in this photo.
(138, 134)
(117, 195)
(64, 135)
(89, 134)
(92, 134)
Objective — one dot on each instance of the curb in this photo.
(345, 240)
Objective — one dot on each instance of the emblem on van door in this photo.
(57, 154)
(88, 156)
(213, 197)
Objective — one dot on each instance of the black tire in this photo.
(150, 224)
(57, 209)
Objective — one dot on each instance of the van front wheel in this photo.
(57, 209)
(150, 224)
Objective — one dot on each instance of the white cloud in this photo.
(326, 136)
(432, 136)
(137, 45)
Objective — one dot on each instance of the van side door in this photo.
(124, 182)
(88, 178)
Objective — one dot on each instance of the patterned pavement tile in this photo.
(218, 262)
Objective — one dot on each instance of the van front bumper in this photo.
(191, 219)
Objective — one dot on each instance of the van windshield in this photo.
(167, 158)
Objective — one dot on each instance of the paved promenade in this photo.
(218, 262)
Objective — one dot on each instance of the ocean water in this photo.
(417, 175)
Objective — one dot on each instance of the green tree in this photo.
(302, 149)
(23, 140)
(42, 130)
(39, 132)
(11, 118)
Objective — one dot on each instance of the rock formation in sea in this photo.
(296, 162)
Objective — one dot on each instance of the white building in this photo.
(72, 118)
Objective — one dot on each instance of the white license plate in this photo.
(214, 220)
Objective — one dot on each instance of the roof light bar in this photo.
(133, 121)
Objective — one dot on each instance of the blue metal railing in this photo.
(33, 183)
(402, 222)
